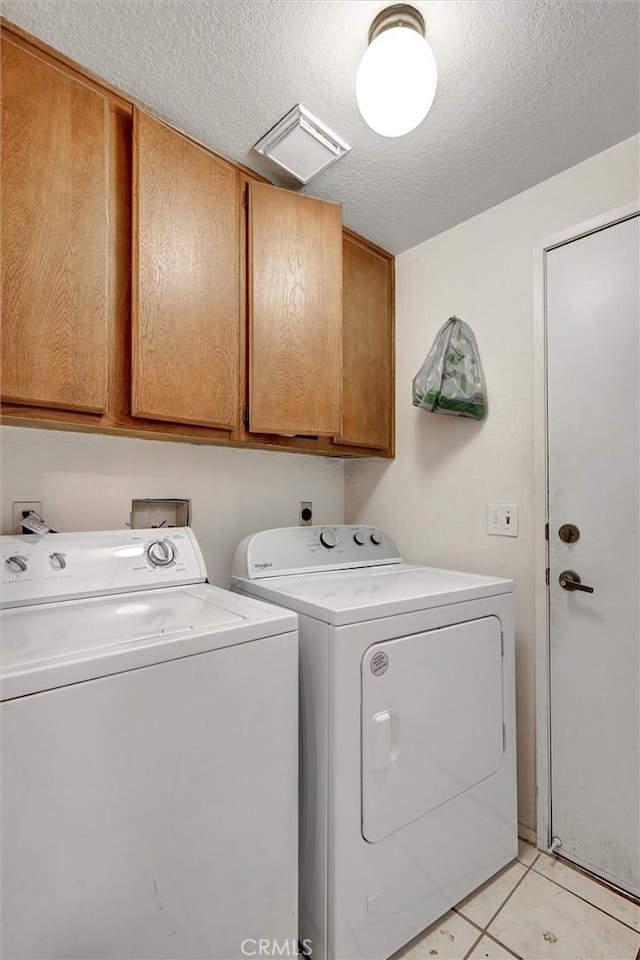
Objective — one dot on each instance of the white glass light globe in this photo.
(396, 81)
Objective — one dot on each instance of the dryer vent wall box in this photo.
(408, 726)
(146, 514)
(150, 752)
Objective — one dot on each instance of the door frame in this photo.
(541, 507)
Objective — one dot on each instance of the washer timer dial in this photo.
(161, 553)
(328, 539)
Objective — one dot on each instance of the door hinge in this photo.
(245, 416)
(546, 531)
(504, 736)
(546, 576)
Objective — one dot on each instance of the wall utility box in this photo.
(159, 513)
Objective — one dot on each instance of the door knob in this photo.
(570, 580)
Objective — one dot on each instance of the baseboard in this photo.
(526, 833)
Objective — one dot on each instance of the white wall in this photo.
(433, 497)
(87, 482)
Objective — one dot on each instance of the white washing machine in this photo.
(149, 753)
(408, 796)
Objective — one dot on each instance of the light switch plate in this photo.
(502, 519)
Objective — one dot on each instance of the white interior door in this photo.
(592, 305)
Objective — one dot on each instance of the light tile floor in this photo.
(537, 908)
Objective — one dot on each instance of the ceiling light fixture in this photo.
(397, 76)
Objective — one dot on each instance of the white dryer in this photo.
(408, 796)
(149, 753)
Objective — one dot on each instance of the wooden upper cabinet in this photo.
(295, 313)
(367, 346)
(186, 280)
(141, 296)
(54, 236)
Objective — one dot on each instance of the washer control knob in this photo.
(16, 564)
(359, 538)
(376, 538)
(328, 539)
(58, 560)
(161, 553)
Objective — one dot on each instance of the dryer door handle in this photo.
(384, 740)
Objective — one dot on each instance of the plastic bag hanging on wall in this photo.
(451, 380)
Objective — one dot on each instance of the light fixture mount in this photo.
(398, 15)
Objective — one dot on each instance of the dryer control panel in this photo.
(292, 550)
(67, 566)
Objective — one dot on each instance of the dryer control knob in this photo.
(359, 538)
(161, 553)
(376, 538)
(328, 539)
(16, 564)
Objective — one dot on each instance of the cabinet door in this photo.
(186, 280)
(54, 236)
(295, 313)
(368, 346)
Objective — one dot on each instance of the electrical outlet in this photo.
(21, 509)
(502, 519)
(306, 513)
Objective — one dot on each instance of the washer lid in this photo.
(54, 644)
(351, 596)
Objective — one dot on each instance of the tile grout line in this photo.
(589, 902)
(436, 925)
(493, 937)
(506, 900)
(486, 883)
(473, 945)
(509, 895)
(485, 929)
(528, 869)
(472, 922)
(583, 872)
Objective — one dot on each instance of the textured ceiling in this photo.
(526, 89)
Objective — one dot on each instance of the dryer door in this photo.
(432, 721)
